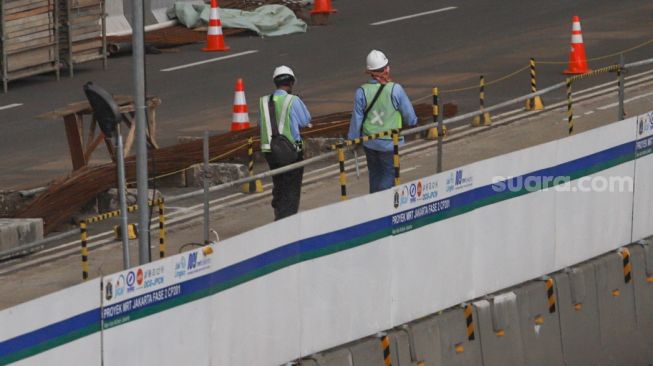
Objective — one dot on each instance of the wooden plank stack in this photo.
(29, 43)
(82, 33)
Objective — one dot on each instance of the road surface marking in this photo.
(14, 105)
(415, 15)
(209, 60)
(588, 113)
(612, 105)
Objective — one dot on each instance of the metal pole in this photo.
(205, 182)
(138, 52)
(620, 84)
(570, 110)
(343, 174)
(437, 118)
(123, 200)
(395, 158)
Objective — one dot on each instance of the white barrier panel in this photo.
(62, 328)
(643, 209)
(135, 317)
(117, 22)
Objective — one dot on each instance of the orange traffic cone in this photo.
(577, 57)
(214, 36)
(323, 7)
(240, 120)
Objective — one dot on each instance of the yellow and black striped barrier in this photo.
(550, 295)
(109, 215)
(484, 118)
(84, 250)
(434, 133)
(343, 175)
(385, 346)
(162, 229)
(395, 158)
(570, 111)
(469, 320)
(362, 139)
(625, 258)
(535, 103)
(254, 186)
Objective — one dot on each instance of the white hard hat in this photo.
(283, 70)
(376, 60)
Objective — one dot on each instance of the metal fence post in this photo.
(84, 250)
(205, 183)
(484, 118)
(438, 117)
(395, 160)
(535, 103)
(162, 229)
(620, 85)
(570, 111)
(343, 175)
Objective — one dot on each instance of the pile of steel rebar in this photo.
(65, 198)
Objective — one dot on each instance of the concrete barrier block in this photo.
(218, 173)
(110, 201)
(401, 351)
(643, 282)
(17, 232)
(336, 357)
(619, 336)
(579, 315)
(426, 341)
(367, 352)
(455, 346)
(500, 330)
(540, 328)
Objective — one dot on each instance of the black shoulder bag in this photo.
(283, 151)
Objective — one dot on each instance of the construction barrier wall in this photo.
(343, 272)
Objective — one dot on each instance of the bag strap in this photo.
(273, 116)
(369, 107)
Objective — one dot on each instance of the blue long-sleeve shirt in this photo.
(399, 100)
(300, 117)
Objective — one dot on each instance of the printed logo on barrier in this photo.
(120, 286)
(422, 190)
(180, 267)
(458, 180)
(131, 278)
(645, 123)
(153, 277)
(108, 290)
(139, 277)
(192, 262)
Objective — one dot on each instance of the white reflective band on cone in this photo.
(576, 38)
(215, 31)
(240, 118)
(575, 26)
(215, 15)
(239, 98)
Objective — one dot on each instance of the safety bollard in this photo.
(535, 103)
(550, 295)
(255, 186)
(343, 175)
(570, 111)
(469, 321)
(620, 85)
(395, 160)
(162, 229)
(625, 257)
(385, 346)
(484, 118)
(84, 250)
(433, 133)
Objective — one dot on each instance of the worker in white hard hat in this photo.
(283, 145)
(380, 105)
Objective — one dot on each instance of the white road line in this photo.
(588, 113)
(8, 106)
(414, 15)
(209, 60)
(612, 105)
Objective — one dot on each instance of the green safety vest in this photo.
(282, 104)
(383, 116)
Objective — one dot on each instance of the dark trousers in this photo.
(381, 169)
(286, 189)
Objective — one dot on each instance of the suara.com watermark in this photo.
(563, 184)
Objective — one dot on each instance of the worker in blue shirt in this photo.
(291, 114)
(380, 105)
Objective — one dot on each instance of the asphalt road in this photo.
(449, 49)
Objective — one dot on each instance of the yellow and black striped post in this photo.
(570, 111)
(484, 118)
(550, 295)
(433, 133)
(343, 175)
(385, 346)
(162, 229)
(469, 320)
(84, 250)
(625, 258)
(395, 160)
(535, 103)
(255, 186)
